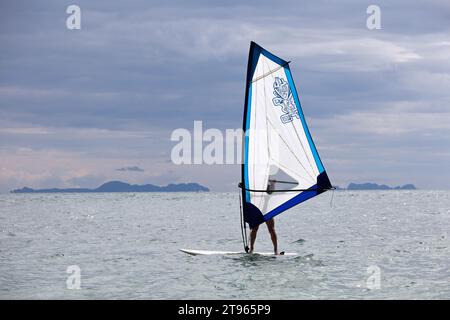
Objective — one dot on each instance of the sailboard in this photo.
(210, 253)
(281, 167)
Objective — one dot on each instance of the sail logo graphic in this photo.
(283, 97)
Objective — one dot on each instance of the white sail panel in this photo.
(277, 141)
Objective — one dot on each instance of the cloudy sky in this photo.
(81, 107)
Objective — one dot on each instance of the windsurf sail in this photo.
(281, 166)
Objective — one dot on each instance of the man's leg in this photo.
(271, 226)
(253, 233)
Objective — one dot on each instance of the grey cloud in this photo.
(145, 68)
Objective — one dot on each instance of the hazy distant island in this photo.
(374, 186)
(119, 186)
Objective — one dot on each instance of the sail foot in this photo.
(252, 215)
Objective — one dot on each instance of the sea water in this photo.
(358, 245)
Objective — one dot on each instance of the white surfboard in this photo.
(209, 253)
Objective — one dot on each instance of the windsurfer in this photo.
(271, 227)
